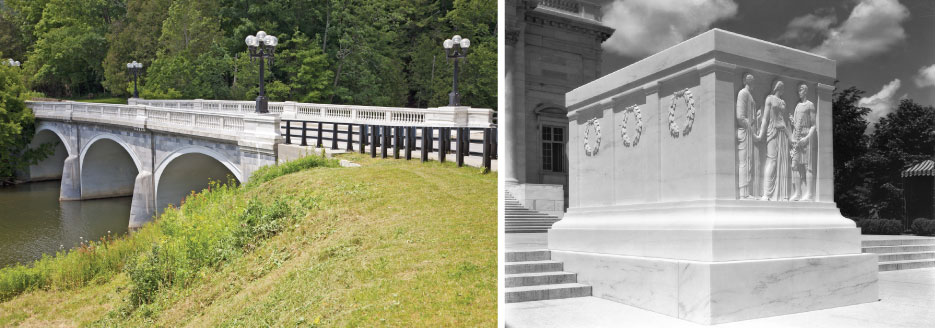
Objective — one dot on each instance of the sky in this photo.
(883, 47)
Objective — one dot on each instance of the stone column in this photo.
(824, 173)
(71, 179)
(143, 205)
(512, 116)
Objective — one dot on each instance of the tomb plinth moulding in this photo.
(662, 226)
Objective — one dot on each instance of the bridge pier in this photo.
(143, 205)
(71, 179)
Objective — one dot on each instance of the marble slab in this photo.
(709, 245)
(727, 291)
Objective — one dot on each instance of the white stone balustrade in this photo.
(460, 116)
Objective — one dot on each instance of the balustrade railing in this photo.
(442, 116)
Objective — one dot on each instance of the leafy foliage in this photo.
(16, 127)
(880, 227)
(385, 52)
(923, 227)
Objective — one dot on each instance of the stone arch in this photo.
(61, 136)
(173, 181)
(52, 167)
(108, 167)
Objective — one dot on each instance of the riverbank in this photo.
(391, 243)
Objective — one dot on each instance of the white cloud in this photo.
(809, 29)
(872, 28)
(645, 27)
(881, 103)
(926, 76)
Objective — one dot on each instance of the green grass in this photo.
(391, 243)
(109, 100)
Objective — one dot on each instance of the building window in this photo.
(553, 149)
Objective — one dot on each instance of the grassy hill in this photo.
(391, 243)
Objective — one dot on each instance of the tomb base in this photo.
(726, 291)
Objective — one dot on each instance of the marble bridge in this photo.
(159, 151)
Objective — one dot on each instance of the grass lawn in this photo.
(114, 100)
(392, 243)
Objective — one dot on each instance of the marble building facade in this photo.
(552, 47)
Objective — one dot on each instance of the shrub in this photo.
(880, 227)
(923, 227)
(268, 173)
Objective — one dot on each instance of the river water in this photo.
(33, 221)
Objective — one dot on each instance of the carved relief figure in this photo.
(746, 126)
(773, 129)
(803, 136)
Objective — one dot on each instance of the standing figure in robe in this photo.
(803, 136)
(746, 126)
(775, 131)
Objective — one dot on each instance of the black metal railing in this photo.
(392, 140)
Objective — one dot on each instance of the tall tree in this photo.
(17, 126)
(135, 37)
(850, 146)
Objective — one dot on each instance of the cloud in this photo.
(926, 76)
(872, 28)
(645, 27)
(881, 103)
(808, 30)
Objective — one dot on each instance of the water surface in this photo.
(33, 221)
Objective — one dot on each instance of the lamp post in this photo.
(134, 68)
(262, 47)
(456, 48)
(14, 63)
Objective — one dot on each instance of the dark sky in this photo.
(880, 42)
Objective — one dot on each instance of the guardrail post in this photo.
(350, 137)
(493, 144)
(443, 133)
(334, 135)
(288, 132)
(487, 147)
(318, 143)
(409, 140)
(304, 128)
(373, 141)
(460, 147)
(362, 137)
(426, 143)
(384, 140)
(396, 140)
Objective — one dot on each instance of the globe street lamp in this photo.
(456, 48)
(11, 62)
(135, 69)
(262, 47)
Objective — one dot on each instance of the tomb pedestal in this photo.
(656, 216)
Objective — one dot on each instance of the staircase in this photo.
(533, 276)
(902, 254)
(520, 219)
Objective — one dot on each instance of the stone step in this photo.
(524, 256)
(530, 222)
(906, 265)
(539, 279)
(527, 230)
(532, 266)
(546, 292)
(907, 256)
(527, 213)
(899, 249)
(539, 216)
(898, 242)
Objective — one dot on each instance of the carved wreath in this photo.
(627, 141)
(588, 149)
(690, 115)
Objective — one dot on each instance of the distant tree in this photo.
(70, 45)
(900, 139)
(17, 127)
(135, 37)
(850, 145)
(306, 68)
